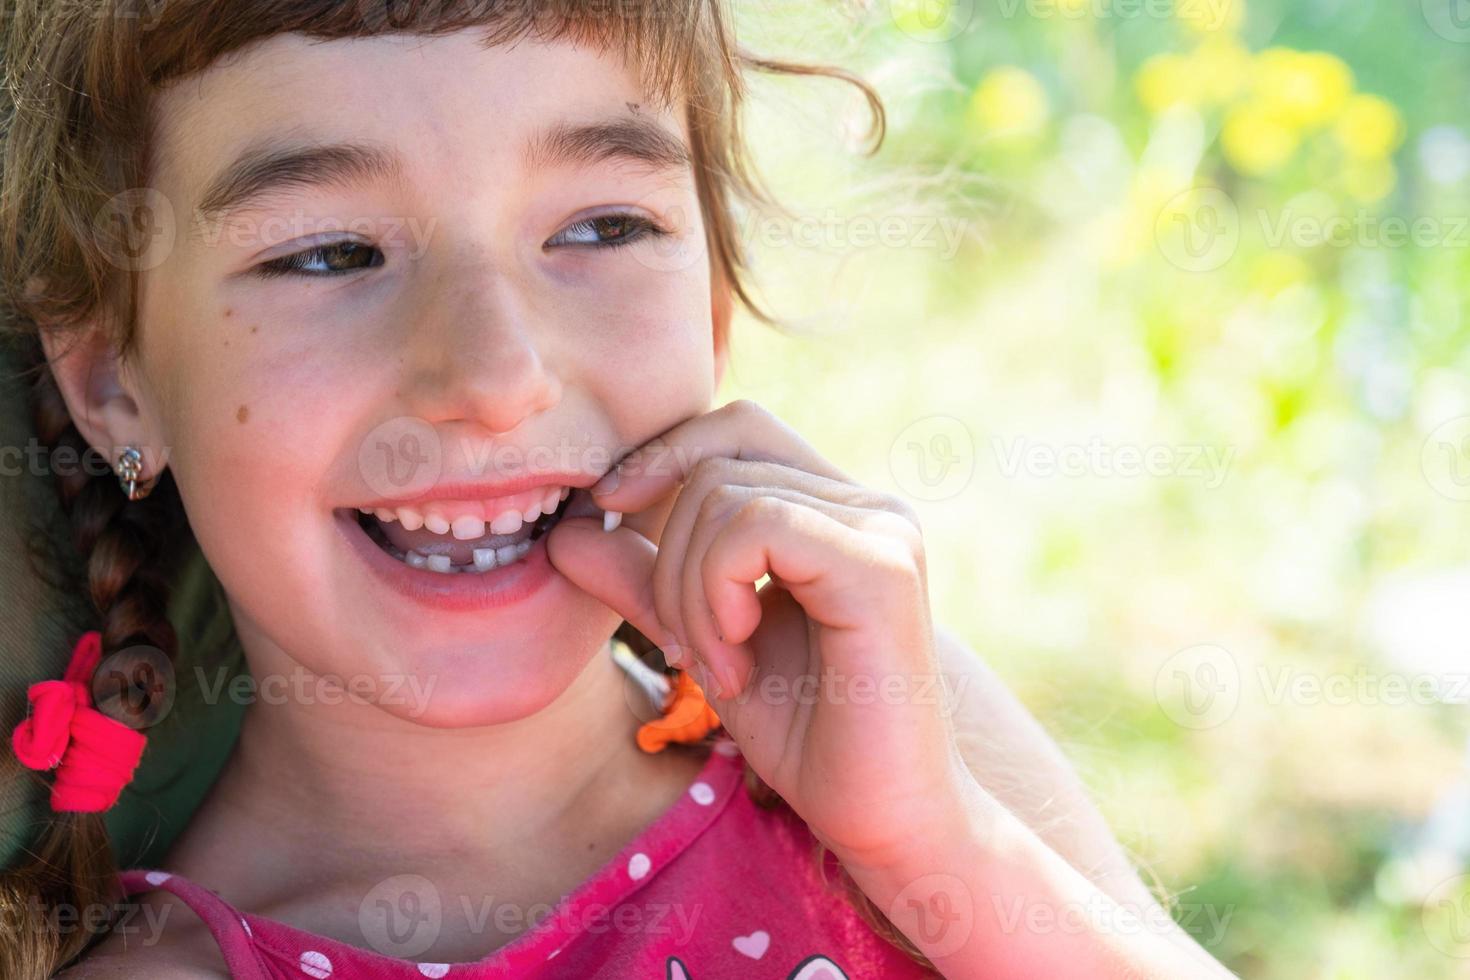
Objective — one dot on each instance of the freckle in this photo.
(229, 312)
(254, 327)
(241, 414)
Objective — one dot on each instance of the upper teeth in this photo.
(468, 520)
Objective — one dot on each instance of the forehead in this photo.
(439, 101)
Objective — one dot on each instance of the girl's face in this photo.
(490, 267)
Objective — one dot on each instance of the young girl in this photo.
(416, 312)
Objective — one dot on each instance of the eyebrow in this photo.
(270, 165)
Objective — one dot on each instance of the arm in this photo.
(1017, 763)
(1024, 866)
(983, 896)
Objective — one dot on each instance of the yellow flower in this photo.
(1009, 102)
(1165, 80)
(1219, 68)
(1309, 88)
(1369, 128)
(1257, 139)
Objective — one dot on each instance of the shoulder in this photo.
(158, 938)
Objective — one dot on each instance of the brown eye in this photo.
(606, 231)
(334, 259)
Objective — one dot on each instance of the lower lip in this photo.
(502, 586)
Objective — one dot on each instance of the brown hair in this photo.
(75, 108)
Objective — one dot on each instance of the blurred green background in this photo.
(1156, 311)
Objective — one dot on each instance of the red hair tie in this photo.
(94, 755)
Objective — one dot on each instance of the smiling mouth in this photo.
(448, 554)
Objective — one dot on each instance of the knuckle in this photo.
(722, 500)
(761, 509)
(896, 559)
(896, 519)
(744, 408)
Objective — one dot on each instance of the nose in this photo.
(482, 361)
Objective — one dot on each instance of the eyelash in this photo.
(297, 263)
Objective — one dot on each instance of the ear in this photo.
(722, 306)
(95, 384)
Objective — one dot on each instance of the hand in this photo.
(828, 677)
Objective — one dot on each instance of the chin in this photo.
(472, 685)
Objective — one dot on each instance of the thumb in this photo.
(616, 568)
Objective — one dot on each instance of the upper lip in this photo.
(488, 489)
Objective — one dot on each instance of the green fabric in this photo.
(40, 623)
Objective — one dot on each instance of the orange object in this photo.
(687, 717)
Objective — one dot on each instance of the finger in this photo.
(680, 595)
(714, 480)
(615, 568)
(740, 430)
(843, 578)
(716, 489)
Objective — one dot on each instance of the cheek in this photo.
(651, 335)
(253, 423)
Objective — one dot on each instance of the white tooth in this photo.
(549, 502)
(611, 519)
(505, 555)
(507, 523)
(366, 510)
(523, 547)
(415, 559)
(564, 492)
(468, 527)
(531, 513)
(438, 563)
(484, 559)
(385, 515)
(436, 524)
(411, 519)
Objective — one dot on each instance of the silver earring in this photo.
(130, 471)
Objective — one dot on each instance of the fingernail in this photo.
(611, 519)
(609, 481)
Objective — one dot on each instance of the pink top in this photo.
(715, 887)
